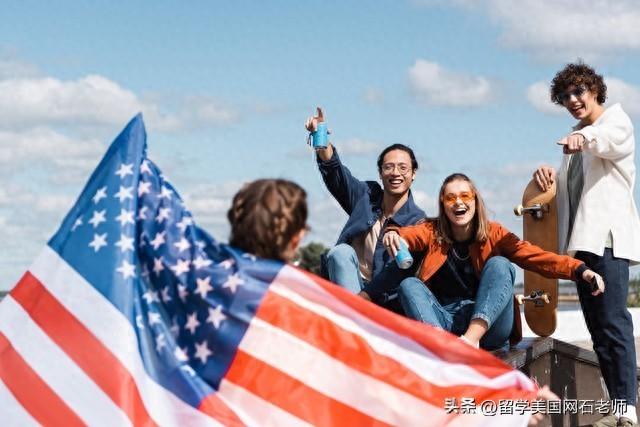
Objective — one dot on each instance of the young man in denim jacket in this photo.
(359, 256)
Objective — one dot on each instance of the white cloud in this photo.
(47, 145)
(426, 202)
(92, 100)
(559, 29)
(627, 94)
(209, 204)
(11, 68)
(617, 91)
(373, 96)
(355, 146)
(564, 29)
(436, 85)
(538, 96)
(359, 146)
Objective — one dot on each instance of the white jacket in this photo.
(607, 203)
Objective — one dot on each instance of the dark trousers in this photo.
(610, 325)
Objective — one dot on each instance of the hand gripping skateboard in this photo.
(540, 227)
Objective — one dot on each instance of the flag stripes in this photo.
(33, 394)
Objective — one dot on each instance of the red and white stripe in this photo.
(313, 355)
(80, 356)
(327, 358)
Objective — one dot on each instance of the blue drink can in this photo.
(319, 137)
(403, 256)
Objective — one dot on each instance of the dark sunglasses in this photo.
(577, 91)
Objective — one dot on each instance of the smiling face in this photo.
(459, 204)
(581, 103)
(396, 172)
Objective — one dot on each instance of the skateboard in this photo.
(540, 227)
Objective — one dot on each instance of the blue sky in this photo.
(225, 88)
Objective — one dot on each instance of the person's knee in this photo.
(502, 265)
(341, 254)
(410, 286)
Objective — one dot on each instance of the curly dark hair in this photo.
(265, 215)
(576, 74)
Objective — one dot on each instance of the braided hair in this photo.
(265, 215)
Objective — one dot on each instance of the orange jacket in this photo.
(422, 238)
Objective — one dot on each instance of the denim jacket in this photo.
(362, 201)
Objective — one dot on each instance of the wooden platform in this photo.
(571, 372)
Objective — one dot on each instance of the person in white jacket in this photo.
(598, 222)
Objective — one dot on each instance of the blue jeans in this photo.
(493, 304)
(343, 268)
(610, 324)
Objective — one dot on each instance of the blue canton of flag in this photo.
(131, 236)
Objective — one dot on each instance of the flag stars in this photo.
(189, 370)
(158, 240)
(100, 194)
(125, 217)
(165, 193)
(192, 323)
(76, 224)
(98, 218)
(174, 329)
(125, 170)
(200, 263)
(124, 193)
(165, 295)
(182, 245)
(182, 266)
(142, 213)
(144, 187)
(151, 296)
(163, 213)
(233, 282)
(125, 243)
(99, 240)
(204, 286)
(180, 354)
(203, 352)
(227, 263)
(158, 265)
(183, 293)
(161, 342)
(155, 318)
(127, 270)
(139, 322)
(216, 316)
(144, 167)
(184, 223)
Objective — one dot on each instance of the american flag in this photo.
(132, 315)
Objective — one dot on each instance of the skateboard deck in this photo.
(540, 227)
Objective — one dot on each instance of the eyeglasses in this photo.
(451, 198)
(577, 91)
(403, 168)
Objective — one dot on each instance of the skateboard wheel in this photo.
(518, 210)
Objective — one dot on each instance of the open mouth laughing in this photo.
(460, 211)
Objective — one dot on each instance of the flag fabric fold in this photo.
(133, 315)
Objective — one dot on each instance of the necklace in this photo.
(458, 257)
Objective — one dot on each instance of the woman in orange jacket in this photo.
(465, 282)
